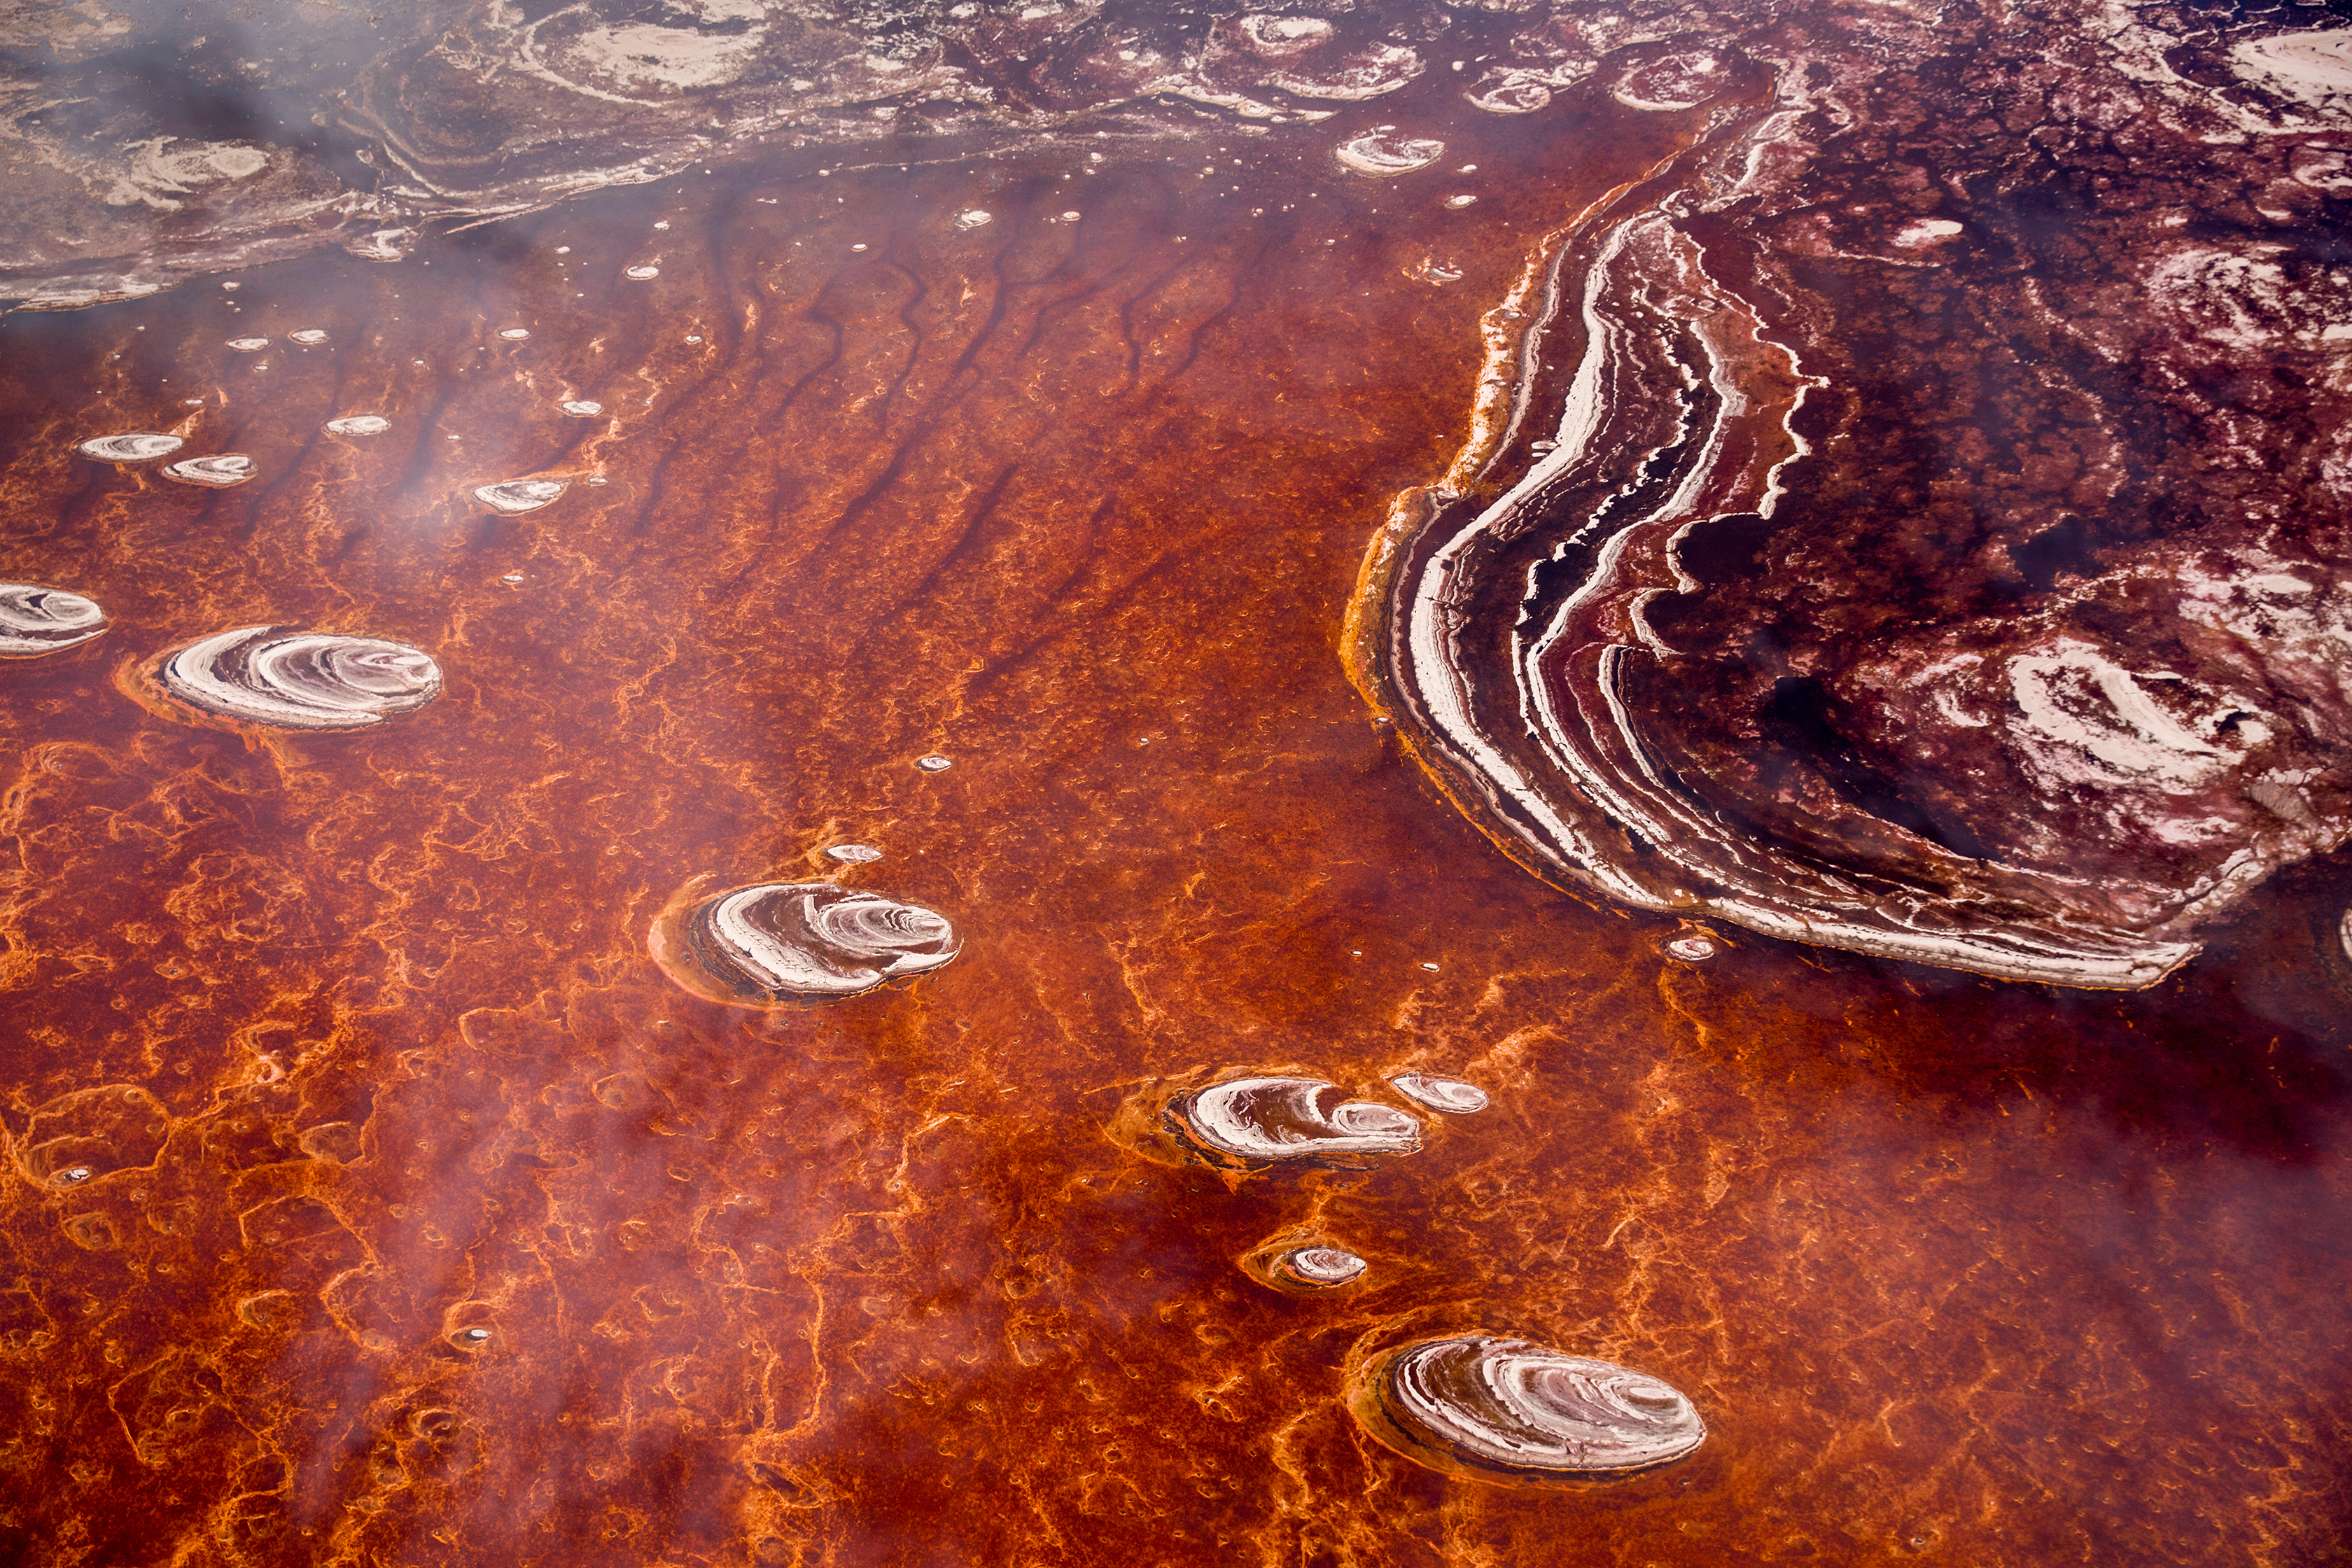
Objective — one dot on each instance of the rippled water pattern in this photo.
(1358, 784)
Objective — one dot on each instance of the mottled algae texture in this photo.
(424, 1221)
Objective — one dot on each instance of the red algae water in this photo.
(1352, 786)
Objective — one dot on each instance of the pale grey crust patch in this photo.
(36, 621)
(514, 496)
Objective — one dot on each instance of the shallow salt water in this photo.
(1094, 840)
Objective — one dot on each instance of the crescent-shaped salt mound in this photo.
(1284, 1120)
(1508, 1411)
(36, 621)
(764, 944)
(287, 679)
(132, 447)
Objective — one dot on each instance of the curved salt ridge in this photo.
(762, 944)
(248, 345)
(1318, 1268)
(134, 446)
(853, 854)
(309, 337)
(582, 408)
(641, 274)
(1450, 1095)
(359, 424)
(519, 495)
(34, 621)
(1281, 1119)
(1383, 152)
(288, 680)
(217, 472)
(514, 334)
(1553, 754)
(1505, 1410)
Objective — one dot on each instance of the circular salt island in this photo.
(132, 447)
(1384, 151)
(1512, 1412)
(217, 472)
(774, 942)
(1259, 1122)
(1317, 1269)
(281, 679)
(36, 621)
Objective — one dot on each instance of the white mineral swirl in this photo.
(1278, 1120)
(218, 472)
(1383, 152)
(248, 345)
(1507, 1410)
(359, 424)
(519, 495)
(582, 408)
(1450, 1095)
(641, 274)
(309, 337)
(289, 679)
(134, 446)
(762, 944)
(36, 620)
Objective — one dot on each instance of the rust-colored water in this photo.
(360, 1035)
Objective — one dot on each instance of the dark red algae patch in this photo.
(957, 520)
